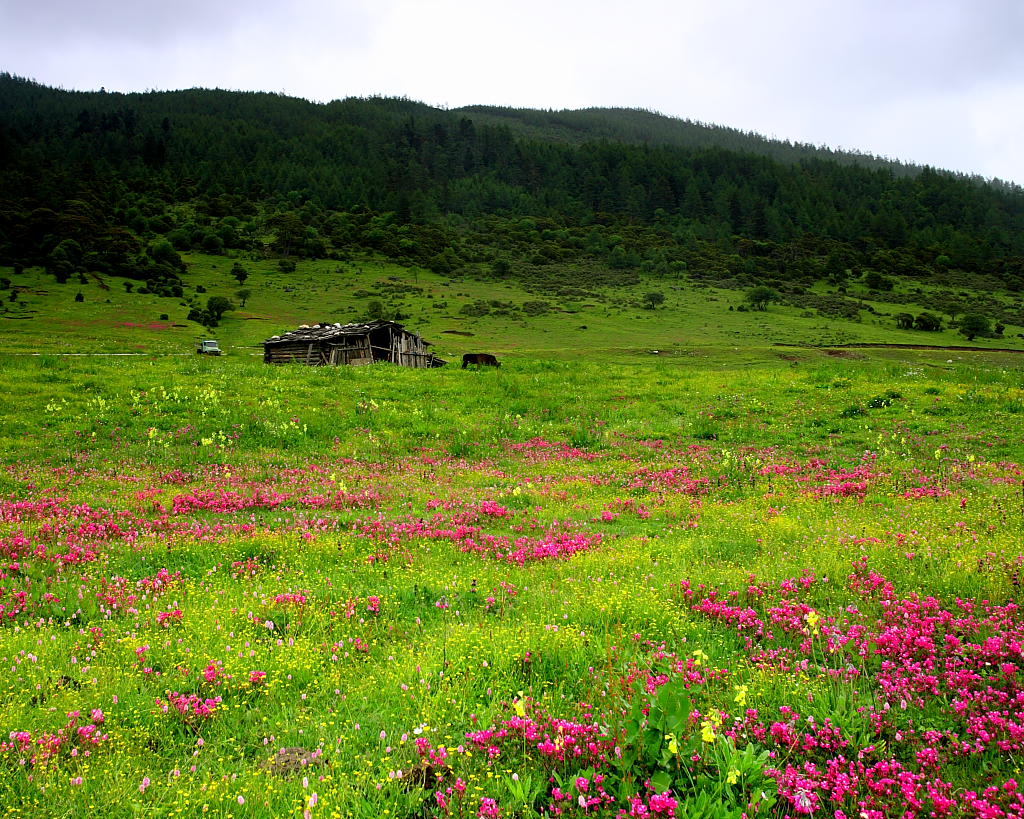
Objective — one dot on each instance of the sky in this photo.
(936, 82)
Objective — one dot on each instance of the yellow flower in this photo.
(732, 777)
(741, 695)
(813, 618)
(699, 657)
(673, 745)
(707, 731)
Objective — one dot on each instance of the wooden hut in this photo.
(334, 344)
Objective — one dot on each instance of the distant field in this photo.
(664, 587)
(694, 319)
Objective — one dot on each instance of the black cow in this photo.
(484, 359)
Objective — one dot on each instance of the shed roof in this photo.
(326, 332)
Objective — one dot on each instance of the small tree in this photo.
(905, 321)
(975, 324)
(652, 300)
(243, 295)
(240, 274)
(758, 297)
(928, 322)
(217, 306)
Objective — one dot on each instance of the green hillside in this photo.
(530, 217)
(465, 314)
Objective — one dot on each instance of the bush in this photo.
(758, 297)
(536, 308)
(475, 309)
(200, 316)
(928, 322)
(975, 324)
(876, 281)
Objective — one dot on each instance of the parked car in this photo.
(208, 346)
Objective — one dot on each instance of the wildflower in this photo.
(741, 695)
(707, 731)
(813, 618)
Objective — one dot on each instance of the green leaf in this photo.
(661, 781)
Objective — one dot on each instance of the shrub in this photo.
(475, 309)
(536, 308)
(758, 297)
(928, 322)
(975, 324)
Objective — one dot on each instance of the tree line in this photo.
(122, 183)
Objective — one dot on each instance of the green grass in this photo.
(677, 471)
(695, 320)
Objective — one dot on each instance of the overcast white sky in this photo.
(939, 82)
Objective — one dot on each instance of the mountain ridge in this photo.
(122, 183)
(630, 125)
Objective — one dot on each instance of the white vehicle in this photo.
(208, 346)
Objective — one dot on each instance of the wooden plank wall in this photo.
(405, 349)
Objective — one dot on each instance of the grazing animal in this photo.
(480, 359)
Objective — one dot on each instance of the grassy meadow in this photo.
(597, 320)
(668, 587)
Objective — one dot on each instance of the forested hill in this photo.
(116, 183)
(641, 127)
